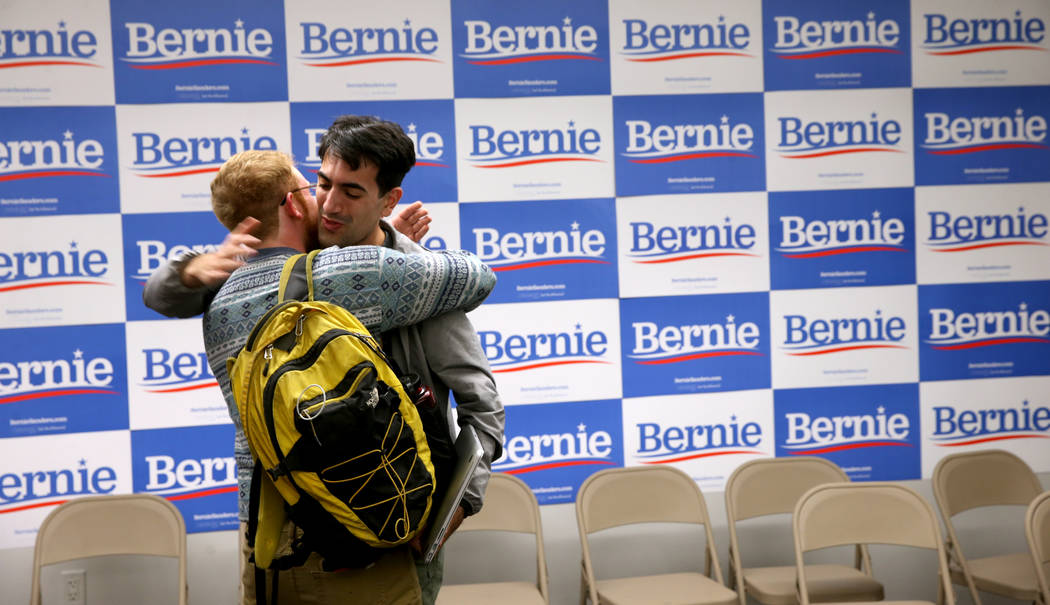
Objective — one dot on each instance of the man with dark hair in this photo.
(356, 139)
(363, 162)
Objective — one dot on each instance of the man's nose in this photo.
(327, 201)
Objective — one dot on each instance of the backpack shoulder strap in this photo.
(297, 280)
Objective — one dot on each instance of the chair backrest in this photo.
(971, 480)
(131, 524)
(1037, 529)
(769, 486)
(865, 513)
(639, 494)
(511, 506)
(642, 494)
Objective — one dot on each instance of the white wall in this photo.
(213, 556)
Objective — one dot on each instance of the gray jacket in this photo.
(446, 353)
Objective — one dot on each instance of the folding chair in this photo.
(98, 526)
(770, 486)
(650, 494)
(866, 513)
(969, 480)
(510, 506)
(1037, 530)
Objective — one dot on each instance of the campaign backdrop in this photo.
(723, 229)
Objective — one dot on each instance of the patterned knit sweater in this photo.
(382, 287)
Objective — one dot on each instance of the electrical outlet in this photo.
(74, 587)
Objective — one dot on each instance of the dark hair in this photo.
(355, 139)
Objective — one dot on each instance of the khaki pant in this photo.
(392, 580)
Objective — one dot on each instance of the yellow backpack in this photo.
(339, 445)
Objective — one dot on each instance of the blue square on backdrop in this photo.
(966, 136)
(871, 432)
(814, 44)
(691, 344)
(59, 160)
(554, 447)
(194, 468)
(552, 250)
(689, 143)
(545, 48)
(430, 124)
(860, 237)
(198, 51)
(63, 379)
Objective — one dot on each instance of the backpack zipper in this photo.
(308, 358)
(334, 395)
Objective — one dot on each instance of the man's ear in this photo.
(292, 206)
(391, 199)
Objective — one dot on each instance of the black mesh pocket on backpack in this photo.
(368, 459)
(328, 417)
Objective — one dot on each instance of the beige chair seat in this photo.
(776, 585)
(1008, 575)
(504, 593)
(665, 589)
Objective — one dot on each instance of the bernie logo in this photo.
(656, 345)
(37, 489)
(946, 135)
(645, 43)
(962, 232)
(677, 142)
(532, 453)
(951, 331)
(513, 251)
(46, 158)
(816, 139)
(670, 244)
(361, 45)
(797, 39)
(176, 373)
(805, 337)
(154, 253)
(190, 478)
(44, 378)
(954, 428)
(513, 148)
(74, 267)
(47, 47)
(172, 48)
(531, 351)
(429, 145)
(811, 435)
(952, 37)
(157, 157)
(817, 238)
(507, 45)
(666, 445)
